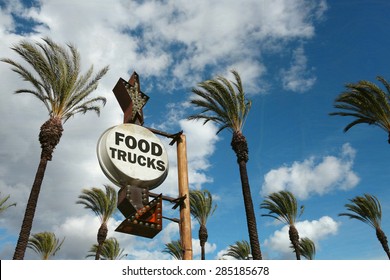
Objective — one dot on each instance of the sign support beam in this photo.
(185, 213)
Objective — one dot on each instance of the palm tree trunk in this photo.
(49, 136)
(30, 211)
(240, 147)
(294, 238)
(250, 213)
(383, 240)
(203, 236)
(101, 237)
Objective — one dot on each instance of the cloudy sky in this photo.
(294, 57)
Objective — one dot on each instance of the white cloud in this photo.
(142, 34)
(196, 250)
(278, 244)
(313, 176)
(221, 253)
(171, 232)
(201, 140)
(78, 242)
(249, 71)
(298, 77)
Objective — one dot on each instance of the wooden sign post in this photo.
(185, 214)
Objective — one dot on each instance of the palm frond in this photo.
(111, 250)
(366, 208)
(45, 244)
(241, 250)
(282, 206)
(4, 207)
(201, 205)
(307, 248)
(221, 101)
(366, 102)
(58, 81)
(175, 249)
(102, 203)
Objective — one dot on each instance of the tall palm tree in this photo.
(283, 206)
(3, 201)
(367, 103)
(64, 91)
(111, 250)
(368, 209)
(45, 244)
(103, 204)
(307, 248)
(241, 250)
(224, 102)
(201, 204)
(175, 249)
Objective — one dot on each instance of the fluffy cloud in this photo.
(298, 78)
(176, 40)
(209, 248)
(279, 243)
(313, 176)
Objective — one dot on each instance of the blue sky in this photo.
(294, 57)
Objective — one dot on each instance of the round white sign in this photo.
(130, 154)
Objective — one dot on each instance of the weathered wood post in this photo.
(185, 214)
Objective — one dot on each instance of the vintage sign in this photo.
(134, 159)
(130, 154)
(131, 99)
(145, 222)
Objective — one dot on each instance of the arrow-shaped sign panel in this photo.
(146, 222)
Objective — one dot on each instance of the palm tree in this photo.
(283, 206)
(307, 248)
(201, 204)
(45, 244)
(64, 91)
(5, 207)
(224, 102)
(111, 250)
(368, 209)
(175, 249)
(367, 103)
(103, 204)
(241, 250)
